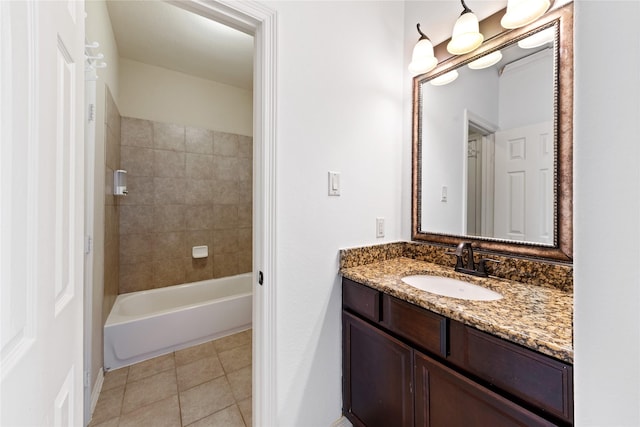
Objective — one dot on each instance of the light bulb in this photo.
(466, 34)
(523, 12)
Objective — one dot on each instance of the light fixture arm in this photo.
(465, 8)
(422, 35)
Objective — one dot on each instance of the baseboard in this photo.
(97, 388)
(341, 422)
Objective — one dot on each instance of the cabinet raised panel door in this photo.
(378, 373)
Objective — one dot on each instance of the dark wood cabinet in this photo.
(377, 389)
(405, 366)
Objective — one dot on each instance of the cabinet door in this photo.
(445, 398)
(377, 376)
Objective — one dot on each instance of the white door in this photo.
(41, 212)
(524, 184)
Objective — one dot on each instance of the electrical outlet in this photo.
(379, 227)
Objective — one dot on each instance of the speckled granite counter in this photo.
(536, 317)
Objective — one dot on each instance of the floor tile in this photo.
(109, 405)
(198, 372)
(113, 422)
(163, 413)
(228, 417)
(115, 378)
(205, 399)
(236, 358)
(151, 367)
(149, 390)
(233, 341)
(194, 353)
(240, 382)
(246, 410)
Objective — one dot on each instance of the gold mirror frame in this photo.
(496, 37)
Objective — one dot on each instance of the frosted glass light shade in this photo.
(538, 39)
(466, 35)
(422, 60)
(523, 12)
(445, 78)
(486, 61)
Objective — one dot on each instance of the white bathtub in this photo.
(147, 324)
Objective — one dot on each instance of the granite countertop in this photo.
(536, 317)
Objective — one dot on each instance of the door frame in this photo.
(259, 21)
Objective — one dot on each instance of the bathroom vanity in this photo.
(411, 357)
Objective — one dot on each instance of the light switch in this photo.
(334, 183)
(379, 227)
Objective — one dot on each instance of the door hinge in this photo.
(87, 245)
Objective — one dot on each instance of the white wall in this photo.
(339, 108)
(98, 28)
(607, 213)
(154, 93)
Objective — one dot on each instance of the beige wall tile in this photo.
(169, 245)
(199, 166)
(199, 192)
(245, 262)
(136, 277)
(136, 248)
(136, 132)
(198, 140)
(226, 192)
(109, 199)
(245, 146)
(245, 192)
(245, 239)
(137, 161)
(168, 136)
(112, 149)
(245, 215)
(169, 218)
(225, 168)
(225, 264)
(199, 217)
(244, 170)
(225, 241)
(225, 216)
(136, 219)
(168, 272)
(112, 117)
(140, 191)
(225, 144)
(198, 269)
(171, 164)
(169, 191)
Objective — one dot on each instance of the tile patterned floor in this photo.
(203, 386)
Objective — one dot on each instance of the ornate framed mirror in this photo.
(493, 150)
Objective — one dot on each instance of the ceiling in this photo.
(164, 35)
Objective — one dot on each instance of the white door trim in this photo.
(260, 21)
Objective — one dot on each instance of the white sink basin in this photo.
(453, 288)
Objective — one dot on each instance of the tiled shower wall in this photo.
(111, 206)
(187, 187)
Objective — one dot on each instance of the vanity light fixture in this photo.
(422, 60)
(523, 12)
(466, 33)
(538, 39)
(445, 78)
(486, 61)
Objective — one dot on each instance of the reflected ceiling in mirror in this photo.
(492, 148)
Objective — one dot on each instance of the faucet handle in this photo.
(482, 267)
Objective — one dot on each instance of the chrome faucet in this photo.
(466, 264)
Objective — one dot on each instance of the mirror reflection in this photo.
(488, 146)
